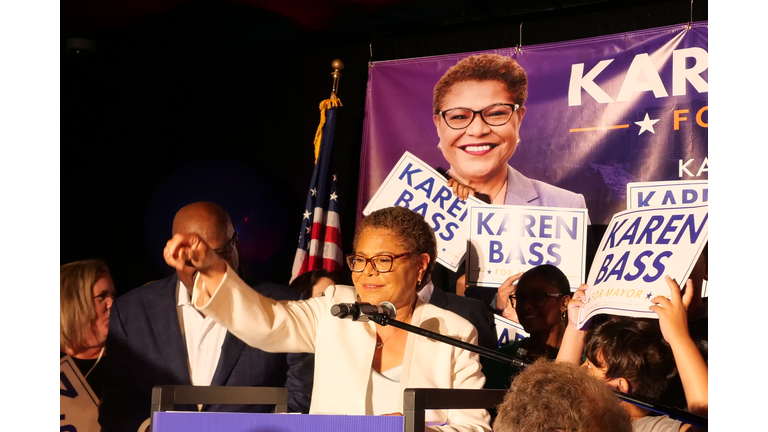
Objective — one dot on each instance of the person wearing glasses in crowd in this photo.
(156, 337)
(85, 300)
(394, 249)
(540, 300)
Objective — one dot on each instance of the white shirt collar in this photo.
(182, 295)
(203, 338)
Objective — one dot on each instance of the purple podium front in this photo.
(247, 422)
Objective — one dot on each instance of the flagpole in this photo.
(320, 236)
(337, 66)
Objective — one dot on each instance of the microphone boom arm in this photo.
(675, 413)
(384, 320)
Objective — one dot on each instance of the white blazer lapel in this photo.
(409, 364)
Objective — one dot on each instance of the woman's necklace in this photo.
(101, 353)
(381, 344)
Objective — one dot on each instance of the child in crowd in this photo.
(643, 356)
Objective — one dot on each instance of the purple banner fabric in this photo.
(245, 422)
(601, 112)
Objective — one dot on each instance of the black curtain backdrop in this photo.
(219, 101)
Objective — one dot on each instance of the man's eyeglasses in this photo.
(537, 299)
(493, 115)
(226, 249)
(380, 263)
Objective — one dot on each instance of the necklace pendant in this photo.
(379, 345)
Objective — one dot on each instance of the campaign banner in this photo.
(506, 240)
(640, 247)
(79, 406)
(508, 331)
(600, 113)
(415, 185)
(668, 193)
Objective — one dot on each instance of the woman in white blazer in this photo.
(360, 368)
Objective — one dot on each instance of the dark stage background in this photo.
(215, 100)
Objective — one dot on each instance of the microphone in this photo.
(363, 311)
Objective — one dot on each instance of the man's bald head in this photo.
(206, 219)
(212, 223)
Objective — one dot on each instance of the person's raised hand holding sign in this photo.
(460, 189)
(503, 302)
(673, 321)
(572, 345)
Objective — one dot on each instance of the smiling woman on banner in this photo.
(361, 368)
(478, 108)
(479, 105)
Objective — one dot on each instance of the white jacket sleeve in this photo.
(259, 321)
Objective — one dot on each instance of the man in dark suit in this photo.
(156, 337)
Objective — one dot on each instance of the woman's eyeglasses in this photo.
(537, 299)
(493, 115)
(380, 263)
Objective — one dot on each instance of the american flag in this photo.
(320, 237)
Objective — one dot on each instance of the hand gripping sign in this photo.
(638, 249)
(507, 239)
(415, 185)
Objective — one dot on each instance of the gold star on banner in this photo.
(334, 196)
(307, 214)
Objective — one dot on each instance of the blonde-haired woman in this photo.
(86, 296)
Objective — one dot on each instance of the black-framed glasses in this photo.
(226, 249)
(493, 115)
(380, 263)
(537, 299)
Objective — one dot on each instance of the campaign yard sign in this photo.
(639, 248)
(667, 193)
(506, 239)
(417, 186)
(78, 403)
(508, 331)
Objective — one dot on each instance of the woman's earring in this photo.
(440, 148)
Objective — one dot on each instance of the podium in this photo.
(415, 402)
(252, 422)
